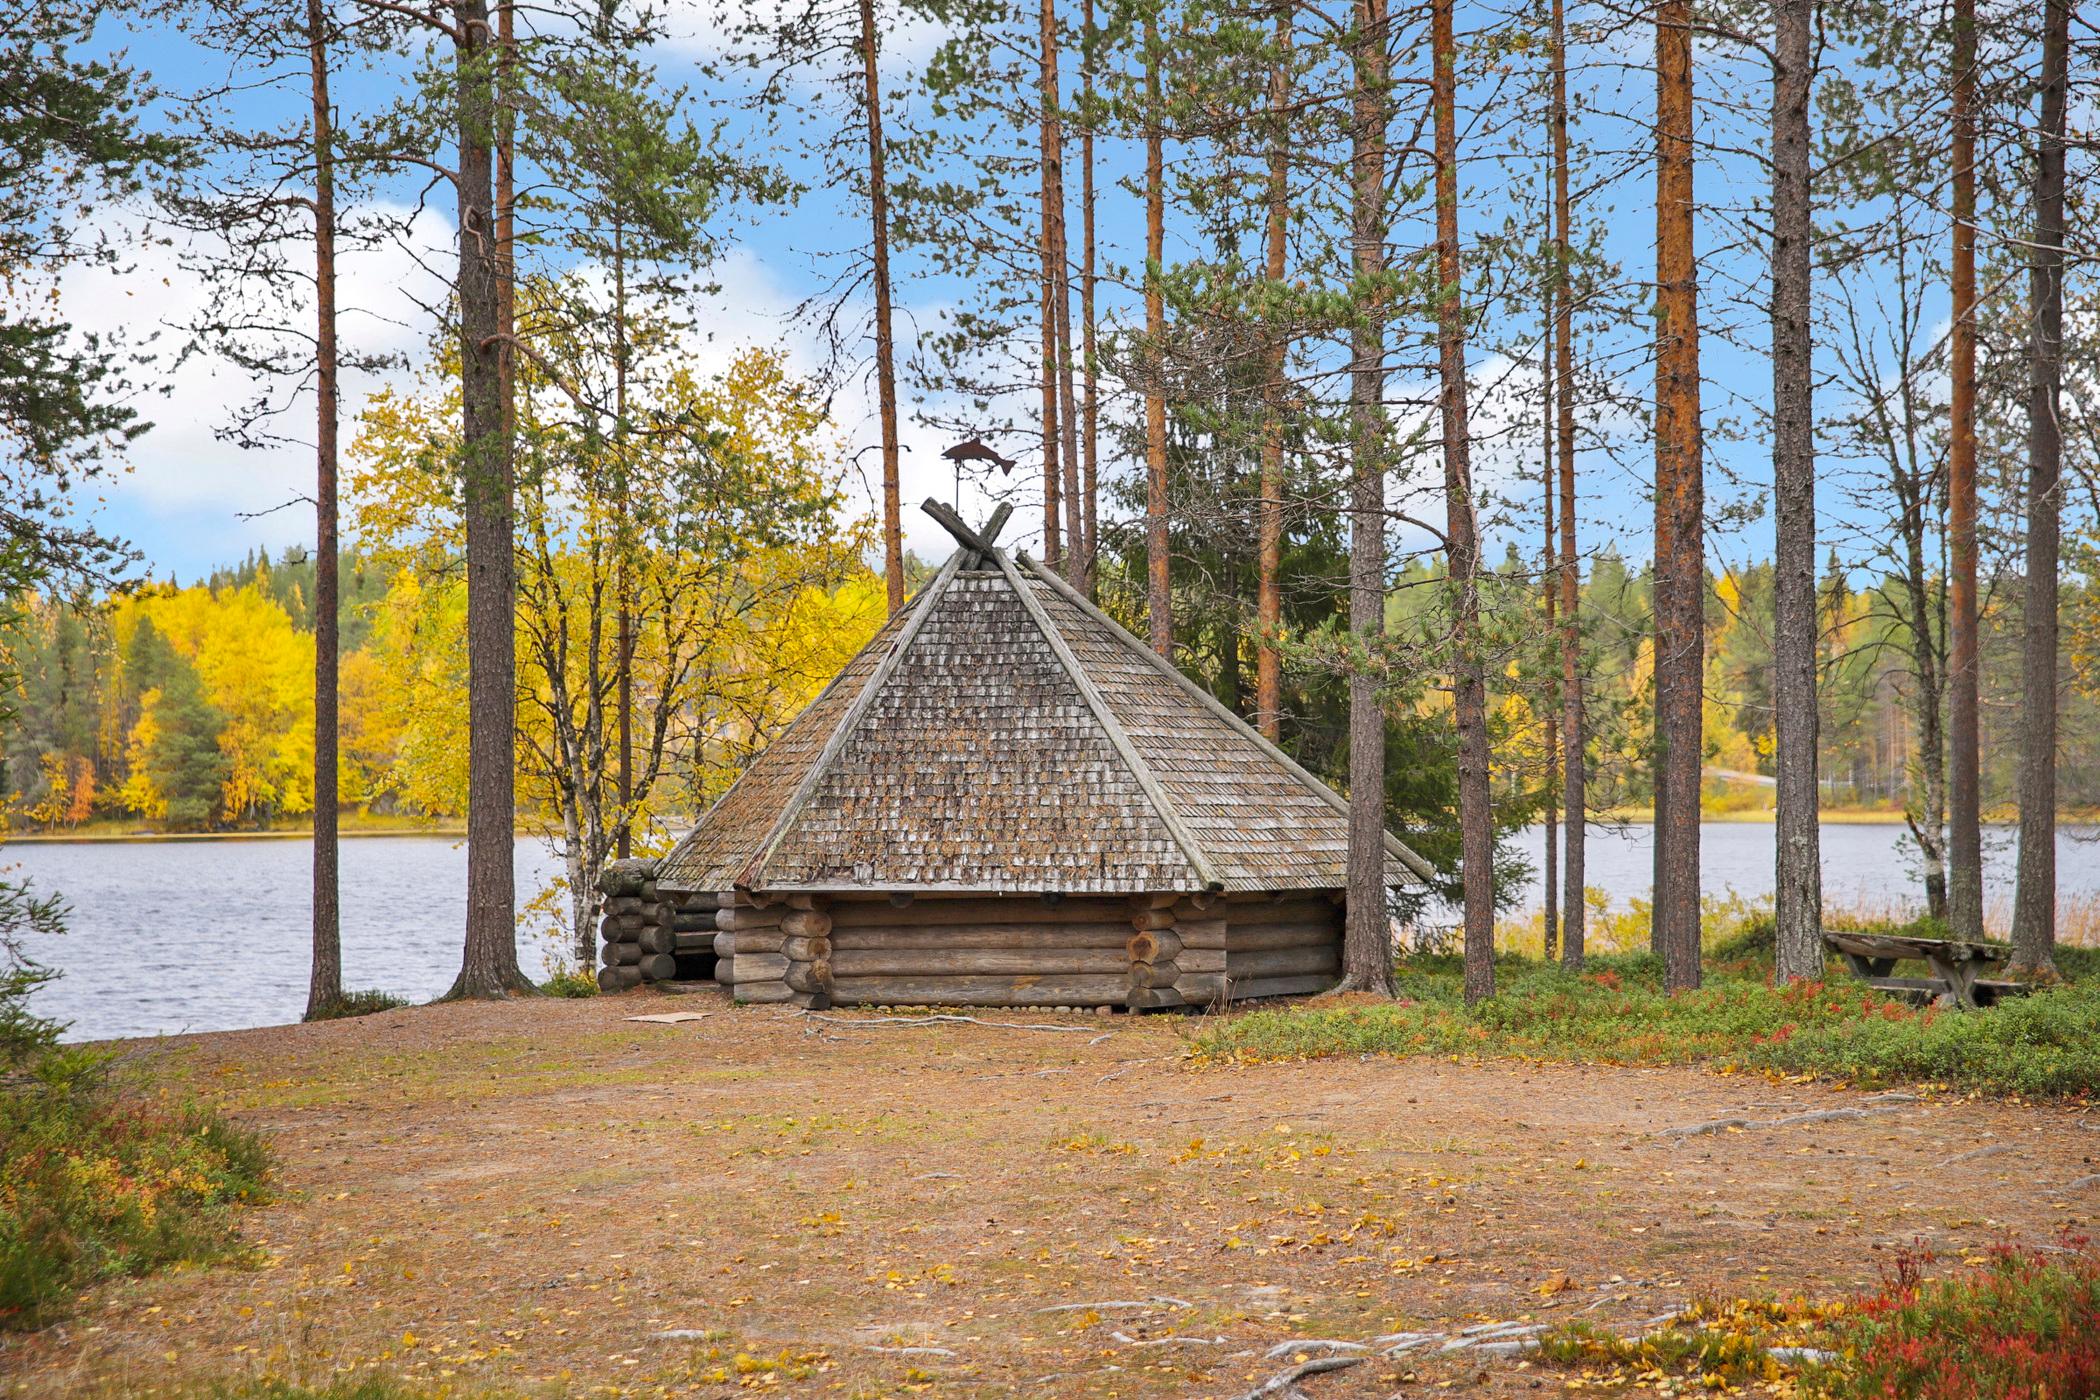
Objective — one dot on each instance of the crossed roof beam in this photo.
(981, 543)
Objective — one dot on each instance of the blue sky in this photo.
(192, 500)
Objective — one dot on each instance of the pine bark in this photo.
(885, 355)
(1268, 612)
(1469, 674)
(1680, 633)
(1574, 745)
(1367, 954)
(2034, 897)
(1798, 873)
(1159, 593)
(1549, 586)
(1053, 498)
(1089, 277)
(1054, 428)
(1928, 822)
(623, 573)
(489, 963)
(1058, 269)
(325, 984)
(1964, 760)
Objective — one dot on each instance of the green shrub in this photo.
(1616, 1013)
(350, 1004)
(571, 982)
(97, 1177)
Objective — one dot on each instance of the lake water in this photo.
(1867, 866)
(169, 936)
(213, 935)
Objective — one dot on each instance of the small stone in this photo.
(1802, 1356)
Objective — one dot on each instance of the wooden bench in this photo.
(1957, 967)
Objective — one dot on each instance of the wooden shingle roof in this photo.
(1002, 735)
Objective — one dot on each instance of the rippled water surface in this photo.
(170, 936)
(213, 935)
(1868, 866)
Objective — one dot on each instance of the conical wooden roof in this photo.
(1003, 735)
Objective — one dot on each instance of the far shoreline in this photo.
(1632, 816)
(125, 838)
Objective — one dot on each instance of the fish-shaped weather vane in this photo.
(975, 451)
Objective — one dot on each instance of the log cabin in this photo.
(1006, 799)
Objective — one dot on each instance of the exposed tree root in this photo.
(1285, 1383)
(939, 1019)
(1722, 1125)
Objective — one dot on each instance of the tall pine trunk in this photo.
(1055, 426)
(1927, 821)
(1053, 497)
(1089, 276)
(1476, 817)
(885, 357)
(1964, 754)
(325, 986)
(1367, 954)
(1159, 592)
(1574, 798)
(1549, 586)
(1680, 630)
(489, 963)
(623, 564)
(1057, 269)
(2034, 898)
(1798, 866)
(1268, 608)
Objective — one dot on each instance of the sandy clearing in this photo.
(534, 1192)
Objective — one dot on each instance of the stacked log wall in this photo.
(1287, 945)
(1155, 951)
(1016, 950)
(772, 950)
(1142, 952)
(1201, 926)
(648, 934)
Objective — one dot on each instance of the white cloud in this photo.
(705, 30)
(183, 475)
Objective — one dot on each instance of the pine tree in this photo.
(1462, 536)
(1798, 874)
(1964, 721)
(1159, 595)
(67, 397)
(1367, 954)
(2034, 899)
(1680, 651)
(1574, 720)
(1268, 657)
(183, 760)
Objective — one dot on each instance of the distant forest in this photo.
(190, 708)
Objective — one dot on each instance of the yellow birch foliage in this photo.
(257, 670)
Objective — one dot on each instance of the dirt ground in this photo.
(548, 1196)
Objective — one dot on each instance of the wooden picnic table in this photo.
(1957, 967)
